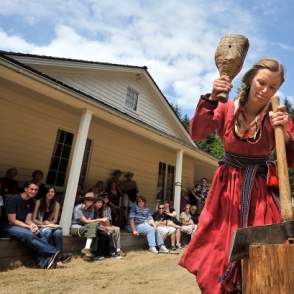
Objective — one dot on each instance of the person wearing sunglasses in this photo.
(162, 223)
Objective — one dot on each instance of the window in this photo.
(60, 157)
(85, 163)
(132, 99)
(165, 183)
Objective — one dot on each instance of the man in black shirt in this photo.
(37, 177)
(166, 227)
(20, 226)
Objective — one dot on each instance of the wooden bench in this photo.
(13, 253)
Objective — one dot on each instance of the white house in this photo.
(78, 120)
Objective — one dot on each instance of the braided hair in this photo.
(265, 63)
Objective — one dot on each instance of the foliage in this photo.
(290, 109)
(212, 145)
(183, 118)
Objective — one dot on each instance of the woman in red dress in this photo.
(240, 194)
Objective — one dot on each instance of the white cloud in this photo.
(176, 40)
(14, 43)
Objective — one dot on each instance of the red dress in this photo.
(207, 253)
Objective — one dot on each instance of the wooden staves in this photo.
(269, 270)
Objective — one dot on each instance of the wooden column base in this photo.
(269, 270)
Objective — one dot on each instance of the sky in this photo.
(175, 39)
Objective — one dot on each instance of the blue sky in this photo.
(175, 39)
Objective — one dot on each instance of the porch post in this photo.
(74, 173)
(178, 181)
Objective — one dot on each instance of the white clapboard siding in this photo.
(113, 92)
(188, 172)
(110, 87)
(28, 129)
(115, 148)
(203, 170)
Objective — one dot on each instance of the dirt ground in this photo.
(138, 272)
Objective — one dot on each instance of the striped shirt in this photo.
(107, 213)
(140, 215)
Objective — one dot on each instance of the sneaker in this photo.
(65, 257)
(173, 248)
(117, 257)
(87, 253)
(153, 250)
(60, 264)
(121, 253)
(163, 249)
(113, 254)
(179, 246)
(53, 260)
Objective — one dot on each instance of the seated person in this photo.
(102, 211)
(188, 225)
(141, 222)
(98, 188)
(194, 214)
(20, 226)
(37, 177)
(106, 207)
(8, 184)
(45, 215)
(195, 195)
(108, 215)
(171, 215)
(84, 223)
(161, 222)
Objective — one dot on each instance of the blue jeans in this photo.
(37, 243)
(153, 236)
(53, 235)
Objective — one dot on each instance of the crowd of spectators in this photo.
(32, 215)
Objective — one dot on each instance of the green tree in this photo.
(290, 110)
(289, 107)
(183, 118)
(212, 145)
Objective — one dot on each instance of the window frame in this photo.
(132, 99)
(165, 181)
(60, 158)
(85, 163)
